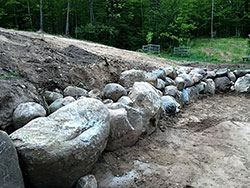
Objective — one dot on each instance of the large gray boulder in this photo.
(222, 83)
(211, 74)
(169, 81)
(126, 101)
(188, 80)
(231, 76)
(240, 73)
(75, 92)
(180, 83)
(171, 90)
(128, 78)
(160, 84)
(59, 149)
(201, 87)
(193, 93)
(51, 96)
(160, 73)
(146, 99)
(171, 72)
(169, 105)
(210, 87)
(114, 91)
(25, 112)
(88, 181)
(222, 72)
(126, 126)
(59, 103)
(10, 172)
(242, 85)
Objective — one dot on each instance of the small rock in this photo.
(88, 181)
(201, 87)
(95, 93)
(222, 83)
(126, 126)
(59, 103)
(128, 78)
(75, 92)
(221, 72)
(10, 172)
(171, 90)
(242, 85)
(160, 84)
(126, 101)
(188, 80)
(51, 96)
(25, 112)
(169, 105)
(160, 73)
(231, 76)
(210, 87)
(171, 72)
(180, 83)
(114, 91)
(169, 81)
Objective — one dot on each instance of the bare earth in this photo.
(207, 145)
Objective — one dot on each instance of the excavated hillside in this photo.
(206, 145)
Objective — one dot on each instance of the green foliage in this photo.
(11, 74)
(149, 37)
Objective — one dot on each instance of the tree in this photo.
(212, 20)
(67, 19)
(41, 15)
(91, 12)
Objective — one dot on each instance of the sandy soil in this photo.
(207, 145)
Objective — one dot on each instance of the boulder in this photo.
(59, 103)
(114, 91)
(201, 87)
(75, 92)
(211, 74)
(51, 96)
(185, 97)
(199, 71)
(188, 80)
(231, 76)
(221, 72)
(171, 90)
(88, 181)
(126, 101)
(197, 78)
(128, 78)
(240, 73)
(180, 83)
(126, 126)
(108, 101)
(10, 172)
(160, 73)
(25, 112)
(184, 70)
(13, 93)
(146, 99)
(169, 81)
(160, 84)
(169, 105)
(171, 72)
(59, 149)
(193, 93)
(210, 87)
(151, 78)
(242, 85)
(222, 83)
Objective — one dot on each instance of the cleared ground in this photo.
(207, 145)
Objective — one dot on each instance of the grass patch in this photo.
(11, 74)
(221, 50)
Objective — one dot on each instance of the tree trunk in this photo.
(91, 12)
(67, 19)
(212, 20)
(30, 19)
(41, 15)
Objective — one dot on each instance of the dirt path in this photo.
(207, 145)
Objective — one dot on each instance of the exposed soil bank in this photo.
(206, 145)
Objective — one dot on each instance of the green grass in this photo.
(221, 50)
(11, 74)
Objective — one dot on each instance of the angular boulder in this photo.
(146, 99)
(75, 92)
(126, 126)
(25, 112)
(57, 150)
(114, 91)
(10, 172)
(222, 83)
(128, 78)
(242, 85)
